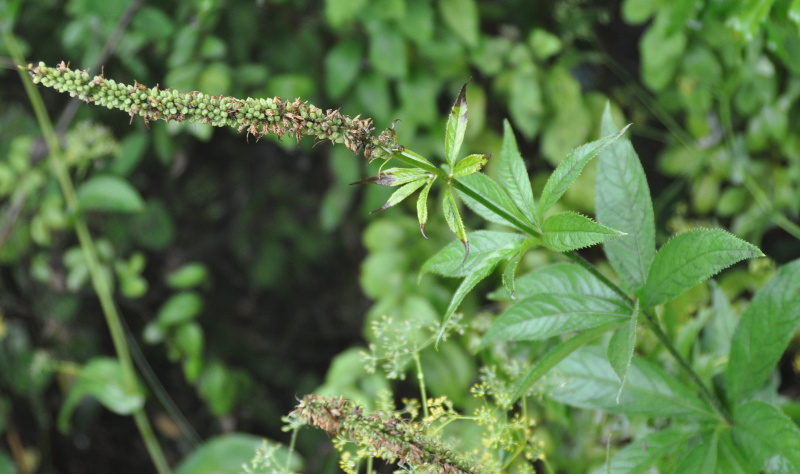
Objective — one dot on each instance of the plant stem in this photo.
(101, 285)
(421, 378)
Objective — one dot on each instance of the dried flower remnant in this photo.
(257, 117)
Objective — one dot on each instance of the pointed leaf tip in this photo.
(422, 229)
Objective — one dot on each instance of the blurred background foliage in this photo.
(245, 270)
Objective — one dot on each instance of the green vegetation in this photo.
(170, 291)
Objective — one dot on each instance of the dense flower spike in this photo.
(258, 117)
(390, 438)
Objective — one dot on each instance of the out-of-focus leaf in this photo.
(109, 193)
(342, 64)
(225, 454)
(179, 309)
(769, 439)
(462, 18)
(188, 276)
(341, 12)
(643, 453)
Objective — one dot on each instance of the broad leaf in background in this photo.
(456, 127)
(763, 333)
(561, 278)
(569, 170)
(450, 262)
(545, 315)
(769, 439)
(556, 355)
(620, 348)
(109, 193)
(643, 453)
(514, 175)
(567, 231)
(497, 196)
(623, 203)
(102, 378)
(585, 379)
(690, 258)
(225, 454)
(702, 457)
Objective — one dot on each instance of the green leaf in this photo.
(456, 127)
(461, 16)
(342, 64)
(450, 261)
(422, 206)
(225, 454)
(402, 193)
(763, 333)
(768, 438)
(752, 14)
(453, 218)
(623, 203)
(395, 177)
(620, 348)
(569, 170)
(546, 315)
(188, 276)
(730, 458)
(526, 109)
(514, 175)
(189, 340)
(690, 258)
(556, 355)
(387, 49)
(103, 379)
(643, 453)
(341, 12)
(470, 164)
(418, 159)
(661, 52)
(109, 193)
(501, 203)
(585, 379)
(567, 231)
(480, 272)
(565, 278)
(702, 457)
(510, 272)
(180, 308)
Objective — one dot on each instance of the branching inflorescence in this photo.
(257, 117)
(387, 437)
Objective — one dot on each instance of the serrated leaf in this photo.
(394, 177)
(569, 170)
(422, 206)
(689, 259)
(768, 438)
(514, 175)
(501, 204)
(702, 457)
(103, 379)
(545, 315)
(479, 272)
(456, 127)
(623, 203)
(470, 164)
(402, 193)
(643, 453)
(109, 193)
(556, 355)
(571, 231)
(563, 278)
(763, 333)
(620, 348)
(585, 379)
(450, 261)
(453, 218)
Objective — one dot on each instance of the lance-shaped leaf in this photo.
(763, 333)
(620, 348)
(402, 193)
(556, 355)
(394, 177)
(510, 273)
(481, 271)
(571, 231)
(623, 203)
(545, 315)
(450, 262)
(689, 259)
(470, 164)
(453, 218)
(769, 439)
(499, 209)
(422, 206)
(514, 175)
(417, 159)
(569, 170)
(456, 127)
(643, 453)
